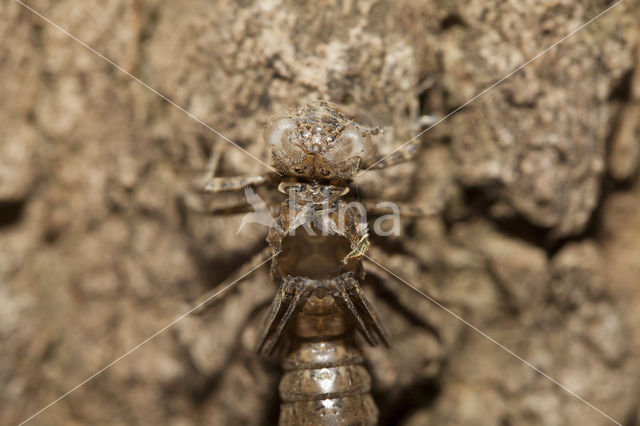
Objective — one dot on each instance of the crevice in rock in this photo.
(417, 396)
(480, 200)
(392, 300)
(452, 20)
(622, 90)
(11, 212)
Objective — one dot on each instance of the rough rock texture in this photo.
(537, 244)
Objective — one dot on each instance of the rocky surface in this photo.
(537, 243)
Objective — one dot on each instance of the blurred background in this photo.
(537, 242)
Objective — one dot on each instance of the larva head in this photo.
(318, 142)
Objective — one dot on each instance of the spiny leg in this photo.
(372, 264)
(266, 338)
(255, 261)
(402, 155)
(235, 183)
(213, 184)
(291, 298)
(197, 203)
(217, 151)
(407, 151)
(346, 290)
(390, 287)
(377, 208)
(366, 309)
(344, 301)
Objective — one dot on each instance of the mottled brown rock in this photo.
(624, 157)
(97, 251)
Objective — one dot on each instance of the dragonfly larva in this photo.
(318, 242)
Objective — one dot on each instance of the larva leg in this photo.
(243, 271)
(347, 293)
(197, 203)
(214, 159)
(408, 151)
(291, 298)
(402, 155)
(235, 183)
(213, 184)
(375, 263)
(376, 209)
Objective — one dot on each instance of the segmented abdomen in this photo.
(324, 381)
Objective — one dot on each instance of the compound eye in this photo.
(277, 134)
(353, 142)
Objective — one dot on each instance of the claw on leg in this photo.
(291, 298)
(242, 271)
(235, 183)
(293, 295)
(346, 290)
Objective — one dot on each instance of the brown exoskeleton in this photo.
(318, 244)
